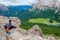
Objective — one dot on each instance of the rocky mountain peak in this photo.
(47, 3)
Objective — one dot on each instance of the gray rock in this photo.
(2, 34)
(36, 30)
(51, 38)
(20, 30)
(36, 38)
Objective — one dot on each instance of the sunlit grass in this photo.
(40, 20)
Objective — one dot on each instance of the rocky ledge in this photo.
(34, 33)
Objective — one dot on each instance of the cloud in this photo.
(17, 2)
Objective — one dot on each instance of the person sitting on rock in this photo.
(7, 30)
(10, 26)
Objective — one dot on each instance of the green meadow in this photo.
(41, 20)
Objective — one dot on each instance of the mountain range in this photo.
(9, 10)
(19, 8)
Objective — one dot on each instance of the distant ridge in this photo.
(11, 10)
(19, 7)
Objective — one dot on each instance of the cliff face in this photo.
(47, 3)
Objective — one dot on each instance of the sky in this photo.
(17, 2)
(21, 2)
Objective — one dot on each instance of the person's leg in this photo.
(9, 32)
(12, 27)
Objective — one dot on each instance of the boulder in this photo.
(35, 30)
(3, 20)
(51, 38)
(20, 30)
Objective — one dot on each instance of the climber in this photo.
(10, 26)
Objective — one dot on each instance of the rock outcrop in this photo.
(5, 20)
(35, 33)
(2, 34)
